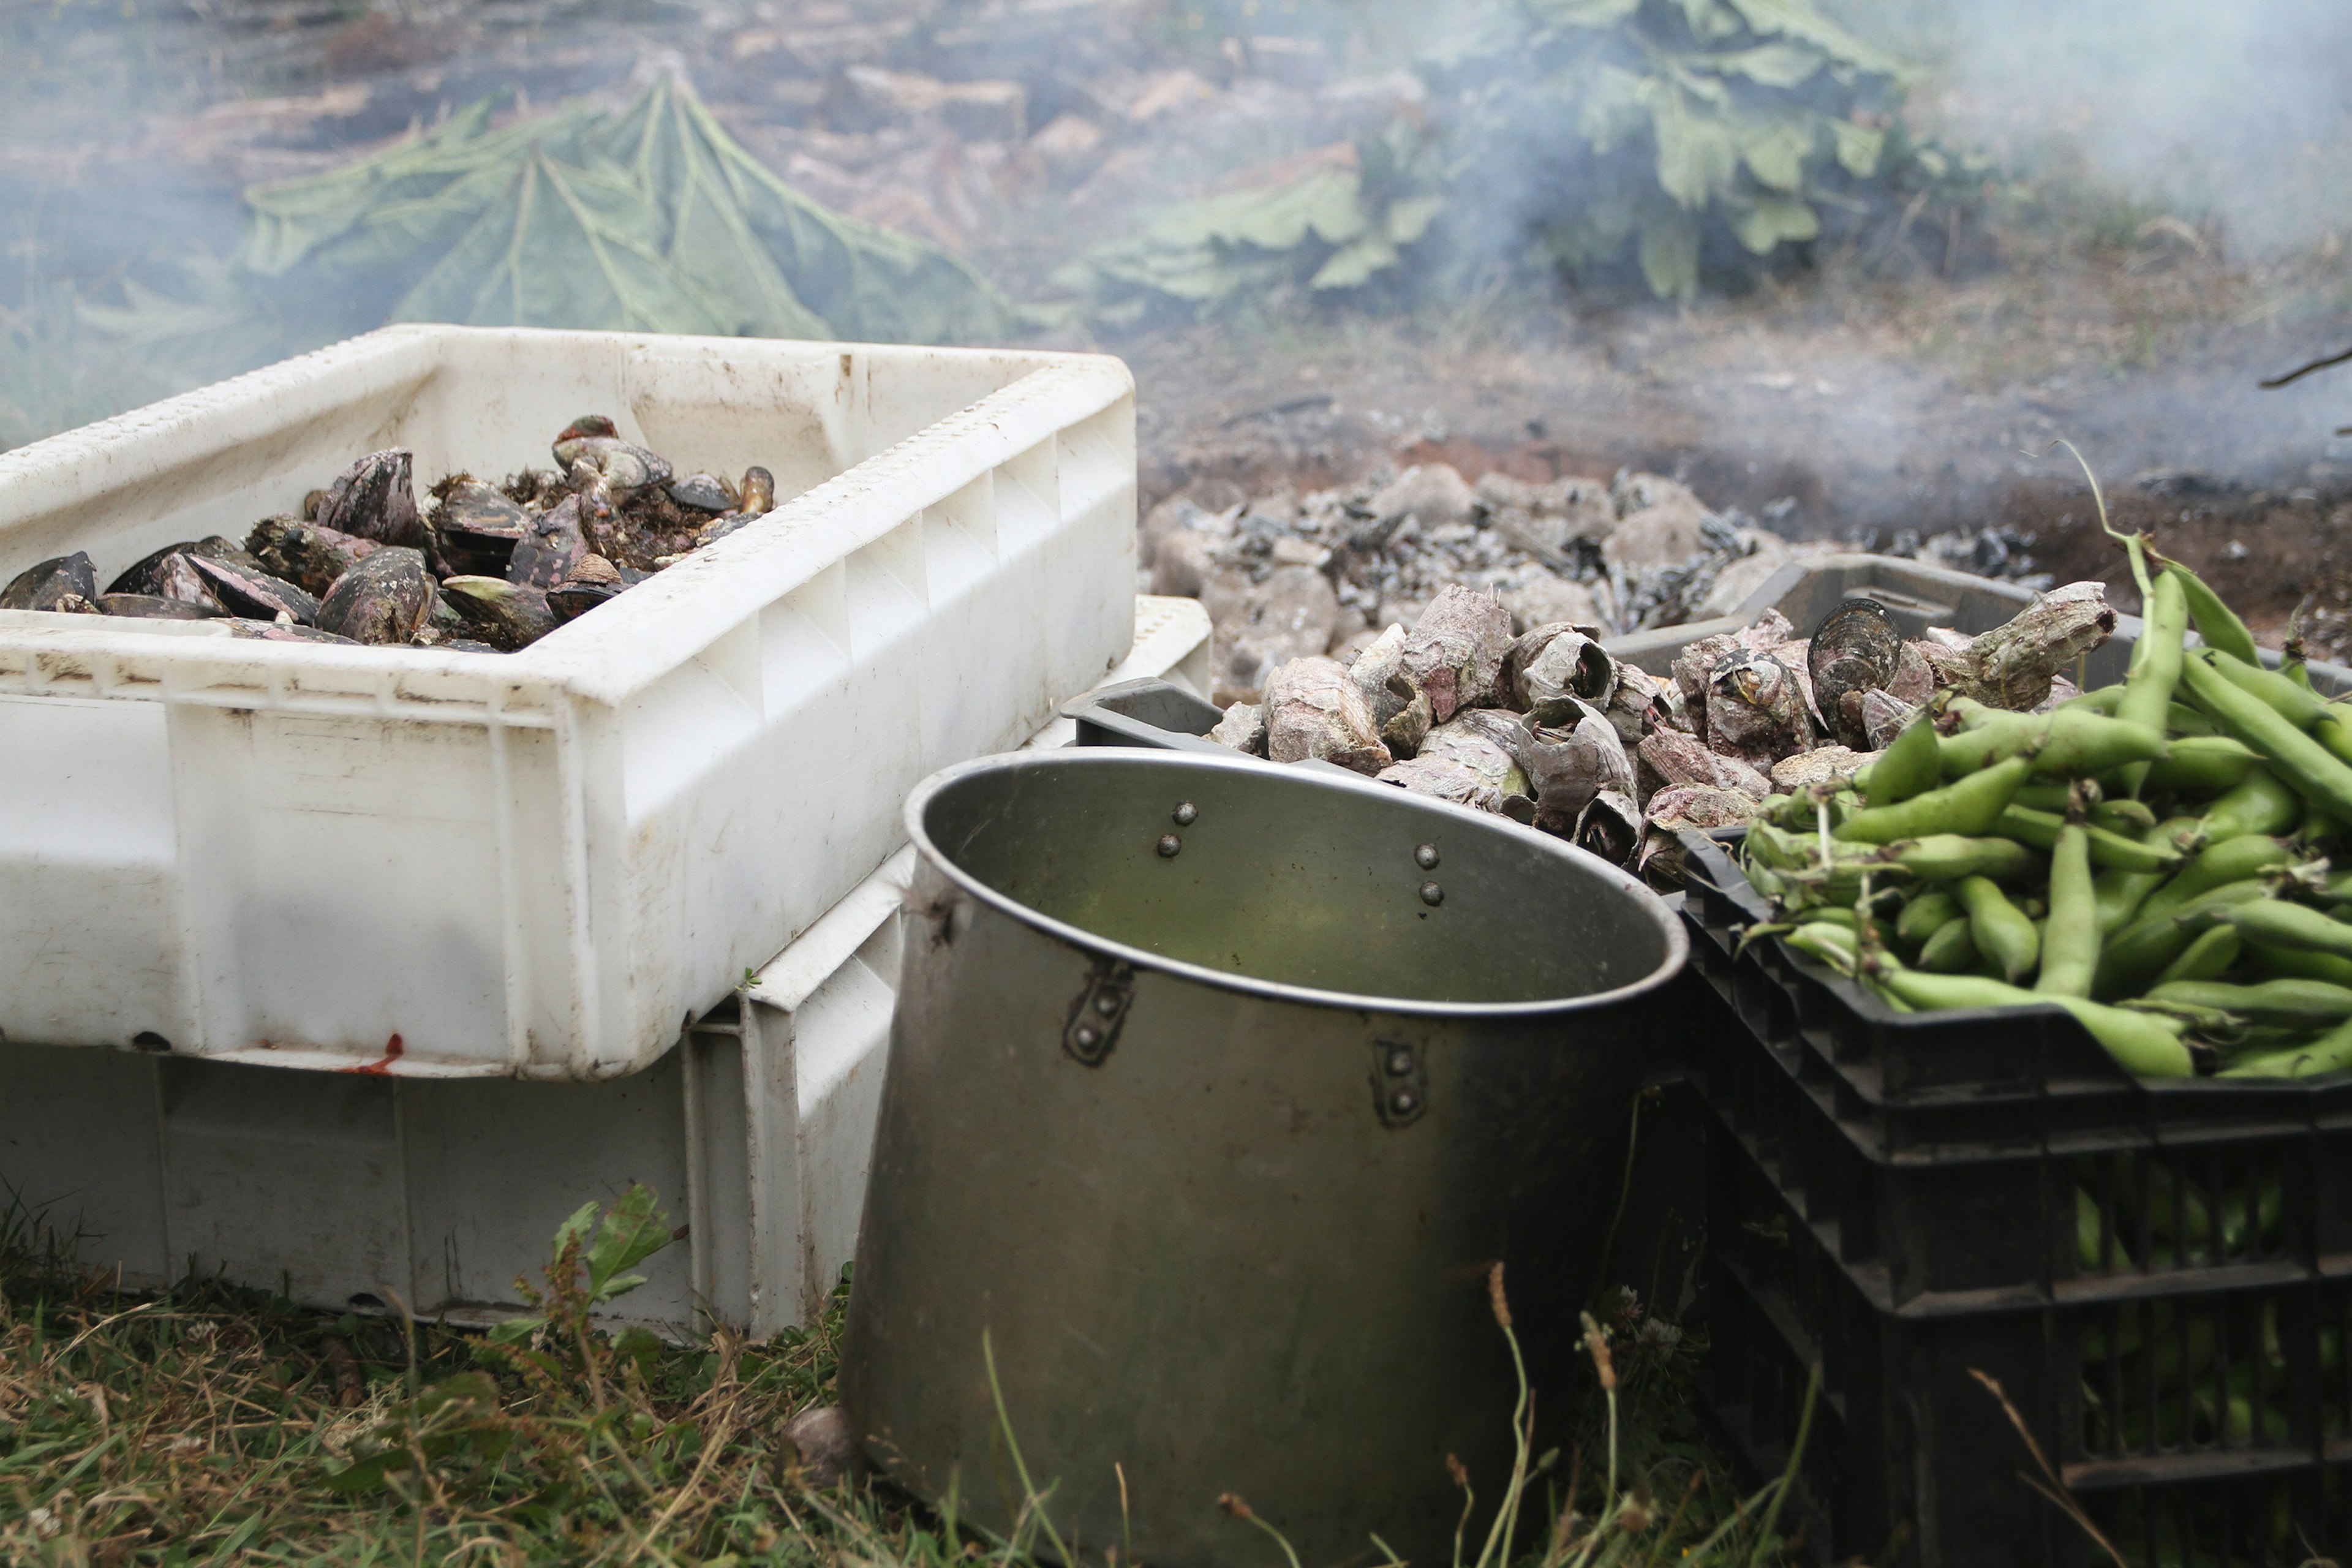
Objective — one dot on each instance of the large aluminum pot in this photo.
(1214, 1090)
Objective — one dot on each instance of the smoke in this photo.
(2235, 108)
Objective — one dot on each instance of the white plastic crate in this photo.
(539, 864)
(348, 1189)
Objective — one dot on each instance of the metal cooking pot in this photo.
(1215, 1089)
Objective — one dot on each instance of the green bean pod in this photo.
(2315, 773)
(1949, 949)
(1999, 928)
(1910, 766)
(2100, 700)
(2141, 1043)
(1948, 856)
(2261, 803)
(2128, 817)
(2070, 939)
(2300, 963)
(1925, 915)
(2275, 924)
(2231, 860)
(2293, 699)
(2156, 667)
(2296, 1003)
(2217, 623)
(1968, 808)
(2064, 743)
(2332, 1052)
(1833, 946)
(2209, 956)
(2137, 954)
(2119, 895)
(2040, 829)
(2203, 765)
(2183, 721)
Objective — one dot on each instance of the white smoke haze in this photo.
(2239, 108)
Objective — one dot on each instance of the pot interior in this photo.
(1290, 877)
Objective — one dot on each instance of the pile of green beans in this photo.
(2150, 856)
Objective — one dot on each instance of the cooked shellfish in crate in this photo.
(337, 847)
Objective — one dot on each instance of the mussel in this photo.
(307, 554)
(253, 594)
(161, 574)
(506, 616)
(593, 580)
(375, 499)
(546, 551)
(46, 585)
(704, 492)
(475, 527)
(593, 440)
(1855, 649)
(384, 599)
(152, 607)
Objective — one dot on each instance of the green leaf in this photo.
(1409, 218)
(1669, 254)
(1859, 147)
(1709, 21)
(1354, 263)
(1768, 220)
(1583, 13)
(1779, 66)
(1696, 155)
(1798, 19)
(1776, 149)
(515, 1331)
(633, 1231)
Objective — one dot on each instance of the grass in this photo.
(209, 1424)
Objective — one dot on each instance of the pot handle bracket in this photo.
(1099, 1010)
(1400, 1082)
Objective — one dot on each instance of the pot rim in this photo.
(1675, 941)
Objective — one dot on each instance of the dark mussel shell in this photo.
(272, 631)
(506, 616)
(44, 585)
(158, 573)
(548, 551)
(153, 607)
(1854, 650)
(476, 528)
(704, 492)
(305, 553)
(591, 581)
(375, 497)
(255, 594)
(384, 599)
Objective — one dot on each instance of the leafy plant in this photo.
(651, 220)
(1678, 138)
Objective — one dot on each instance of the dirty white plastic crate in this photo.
(344, 1189)
(539, 864)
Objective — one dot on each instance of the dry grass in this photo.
(213, 1424)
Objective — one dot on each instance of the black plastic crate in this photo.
(2243, 1458)
(1949, 1149)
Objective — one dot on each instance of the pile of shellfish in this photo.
(479, 567)
(1551, 729)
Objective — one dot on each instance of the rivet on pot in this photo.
(1186, 815)
(1431, 893)
(1088, 1035)
(1404, 1100)
(1169, 844)
(1107, 1005)
(1400, 1063)
(1426, 857)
